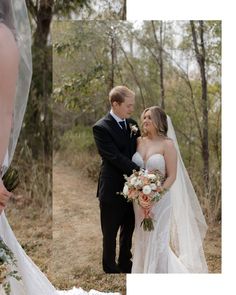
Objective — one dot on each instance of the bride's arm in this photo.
(8, 77)
(9, 59)
(170, 156)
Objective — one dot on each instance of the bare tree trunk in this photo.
(200, 56)
(159, 45)
(113, 58)
(40, 121)
(162, 68)
(124, 11)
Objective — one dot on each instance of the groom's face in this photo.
(125, 109)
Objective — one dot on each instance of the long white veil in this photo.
(13, 14)
(188, 225)
(18, 22)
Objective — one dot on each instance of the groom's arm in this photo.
(109, 151)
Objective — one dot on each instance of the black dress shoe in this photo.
(125, 269)
(113, 269)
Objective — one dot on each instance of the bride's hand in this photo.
(4, 196)
(145, 205)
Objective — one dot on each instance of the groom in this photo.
(115, 136)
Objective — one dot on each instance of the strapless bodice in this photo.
(155, 161)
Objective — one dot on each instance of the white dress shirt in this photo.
(118, 119)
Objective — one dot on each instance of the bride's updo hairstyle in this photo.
(159, 120)
(6, 16)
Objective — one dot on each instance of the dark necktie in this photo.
(123, 125)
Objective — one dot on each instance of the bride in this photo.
(176, 243)
(15, 73)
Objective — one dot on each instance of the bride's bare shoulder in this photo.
(169, 144)
(141, 139)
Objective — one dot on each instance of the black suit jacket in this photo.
(116, 149)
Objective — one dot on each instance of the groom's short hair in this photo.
(119, 93)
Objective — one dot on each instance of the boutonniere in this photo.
(133, 129)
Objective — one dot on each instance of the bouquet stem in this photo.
(147, 222)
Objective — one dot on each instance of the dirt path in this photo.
(213, 248)
(77, 242)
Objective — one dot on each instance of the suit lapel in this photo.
(112, 123)
(128, 127)
(120, 134)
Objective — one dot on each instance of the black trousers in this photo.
(115, 216)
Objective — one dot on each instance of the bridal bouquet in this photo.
(7, 262)
(144, 188)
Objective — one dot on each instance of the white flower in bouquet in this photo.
(152, 177)
(133, 180)
(153, 186)
(138, 183)
(158, 183)
(125, 189)
(147, 189)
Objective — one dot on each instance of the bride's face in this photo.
(148, 125)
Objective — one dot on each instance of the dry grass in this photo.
(211, 201)
(213, 248)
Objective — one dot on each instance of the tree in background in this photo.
(38, 121)
(35, 143)
(199, 48)
(124, 10)
(158, 61)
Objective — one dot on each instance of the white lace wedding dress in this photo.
(152, 251)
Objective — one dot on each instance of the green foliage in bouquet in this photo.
(147, 224)
(7, 261)
(11, 179)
